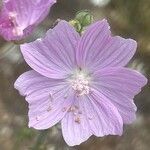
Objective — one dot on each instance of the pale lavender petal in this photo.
(93, 40)
(18, 18)
(92, 114)
(54, 55)
(120, 85)
(75, 127)
(97, 49)
(47, 99)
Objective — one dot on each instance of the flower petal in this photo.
(95, 114)
(75, 127)
(120, 85)
(53, 56)
(46, 97)
(27, 14)
(97, 49)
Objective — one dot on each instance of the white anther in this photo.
(81, 84)
(17, 31)
(12, 15)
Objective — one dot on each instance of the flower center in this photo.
(80, 83)
(16, 29)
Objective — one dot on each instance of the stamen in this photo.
(80, 83)
(12, 16)
(64, 109)
(16, 29)
(77, 120)
(49, 108)
(72, 108)
(37, 118)
(75, 113)
(66, 95)
(80, 112)
(76, 107)
(90, 118)
(51, 97)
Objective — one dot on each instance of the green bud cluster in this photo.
(82, 19)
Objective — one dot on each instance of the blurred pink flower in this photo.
(80, 81)
(18, 18)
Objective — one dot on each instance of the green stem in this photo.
(40, 140)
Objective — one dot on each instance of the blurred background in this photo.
(127, 18)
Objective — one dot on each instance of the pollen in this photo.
(49, 108)
(12, 15)
(64, 109)
(77, 120)
(37, 118)
(18, 31)
(80, 83)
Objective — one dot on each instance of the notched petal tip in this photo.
(73, 143)
(142, 78)
(133, 43)
(36, 127)
(120, 133)
(105, 21)
(24, 47)
(53, 1)
(18, 87)
(100, 23)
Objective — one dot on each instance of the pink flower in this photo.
(18, 18)
(80, 81)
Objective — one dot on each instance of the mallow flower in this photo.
(80, 81)
(18, 18)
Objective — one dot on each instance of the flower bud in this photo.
(76, 24)
(84, 17)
